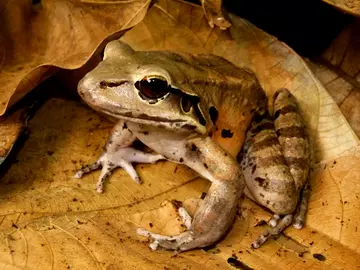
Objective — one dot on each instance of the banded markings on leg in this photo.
(276, 162)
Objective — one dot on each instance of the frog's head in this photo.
(136, 87)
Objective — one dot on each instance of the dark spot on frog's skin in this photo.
(237, 264)
(262, 182)
(145, 132)
(181, 160)
(213, 114)
(319, 257)
(50, 153)
(151, 225)
(205, 165)
(124, 126)
(193, 147)
(334, 162)
(203, 195)
(74, 200)
(175, 170)
(267, 202)
(261, 195)
(253, 169)
(226, 133)
(225, 154)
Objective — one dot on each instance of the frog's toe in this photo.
(122, 158)
(274, 220)
(87, 169)
(282, 225)
(165, 241)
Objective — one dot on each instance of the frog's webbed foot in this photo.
(282, 225)
(123, 157)
(171, 242)
(279, 224)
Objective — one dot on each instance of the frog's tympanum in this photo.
(196, 110)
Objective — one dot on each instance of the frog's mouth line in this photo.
(156, 121)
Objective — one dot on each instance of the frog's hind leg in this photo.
(279, 224)
(117, 153)
(158, 238)
(282, 225)
(216, 213)
(302, 208)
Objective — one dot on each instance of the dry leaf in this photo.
(349, 6)
(343, 90)
(344, 52)
(50, 220)
(10, 130)
(37, 39)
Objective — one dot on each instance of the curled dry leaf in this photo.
(50, 219)
(37, 39)
(344, 53)
(10, 129)
(349, 6)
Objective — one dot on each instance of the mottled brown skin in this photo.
(199, 121)
(276, 160)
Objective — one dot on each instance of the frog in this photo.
(191, 109)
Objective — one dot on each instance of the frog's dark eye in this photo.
(153, 87)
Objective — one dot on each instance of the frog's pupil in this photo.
(152, 87)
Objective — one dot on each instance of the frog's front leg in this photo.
(213, 218)
(118, 153)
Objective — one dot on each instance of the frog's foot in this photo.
(282, 225)
(171, 242)
(274, 220)
(123, 158)
(302, 208)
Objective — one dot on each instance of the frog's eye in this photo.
(153, 87)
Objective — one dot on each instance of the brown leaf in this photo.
(50, 220)
(10, 129)
(36, 40)
(344, 52)
(349, 6)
